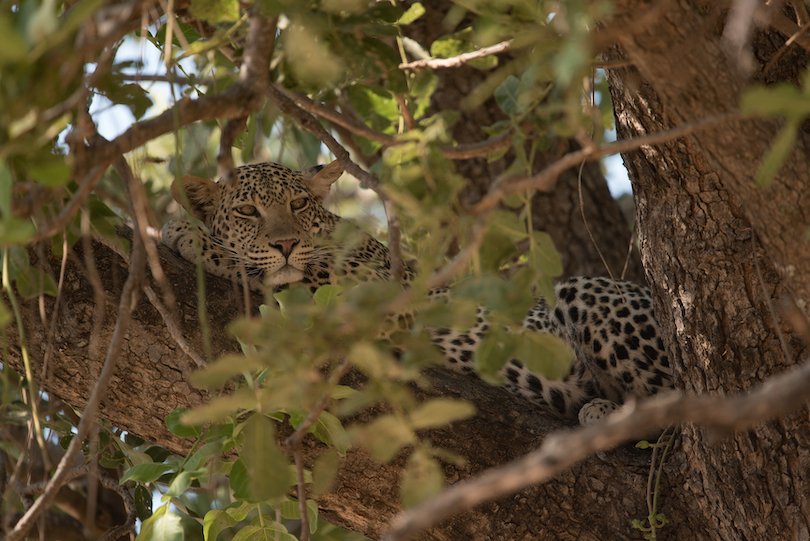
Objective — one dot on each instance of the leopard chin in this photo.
(285, 275)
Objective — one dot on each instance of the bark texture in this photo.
(594, 501)
(720, 254)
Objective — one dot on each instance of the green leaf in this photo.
(145, 473)
(215, 522)
(291, 510)
(309, 56)
(6, 186)
(544, 255)
(324, 472)
(212, 448)
(440, 412)
(329, 430)
(780, 100)
(384, 437)
(33, 281)
(220, 371)
(13, 47)
(778, 153)
(219, 408)
(15, 231)
(414, 12)
(178, 428)
(377, 107)
(495, 349)
(163, 525)
(269, 531)
(269, 474)
(507, 96)
(543, 353)
(326, 296)
(643, 444)
(180, 483)
(370, 360)
(421, 480)
(143, 502)
(131, 95)
(215, 11)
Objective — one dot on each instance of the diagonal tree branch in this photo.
(780, 395)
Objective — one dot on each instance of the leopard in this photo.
(267, 224)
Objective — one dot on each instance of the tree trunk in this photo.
(720, 254)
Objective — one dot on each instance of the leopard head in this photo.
(266, 217)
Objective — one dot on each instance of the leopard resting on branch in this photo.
(265, 219)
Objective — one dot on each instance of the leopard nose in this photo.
(285, 246)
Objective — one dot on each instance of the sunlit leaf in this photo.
(415, 11)
(781, 146)
(178, 428)
(163, 525)
(145, 473)
(220, 371)
(220, 407)
(266, 531)
(384, 437)
(215, 11)
(215, 522)
(440, 412)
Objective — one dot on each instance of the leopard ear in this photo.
(199, 196)
(319, 179)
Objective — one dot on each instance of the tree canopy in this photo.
(136, 387)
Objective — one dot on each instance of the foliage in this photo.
(239, 481)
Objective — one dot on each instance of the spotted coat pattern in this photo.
(267, 223)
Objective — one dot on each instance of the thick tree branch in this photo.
(545, 179)
(778, 396)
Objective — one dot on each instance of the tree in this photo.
(722, 207)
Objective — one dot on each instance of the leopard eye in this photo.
(247, 210)
(299, 204)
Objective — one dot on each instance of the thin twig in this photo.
(464, 151)
(139, 202)
(295, 439)
(545, 179)
(457, 61)
(302, 496)
(293, 442)
(230, 131)
(91, 409)
(173, 327)
(778, 396)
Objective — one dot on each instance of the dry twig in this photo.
(127, 302)
(457, 61)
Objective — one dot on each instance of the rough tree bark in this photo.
(720, 254)
(595, 500)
